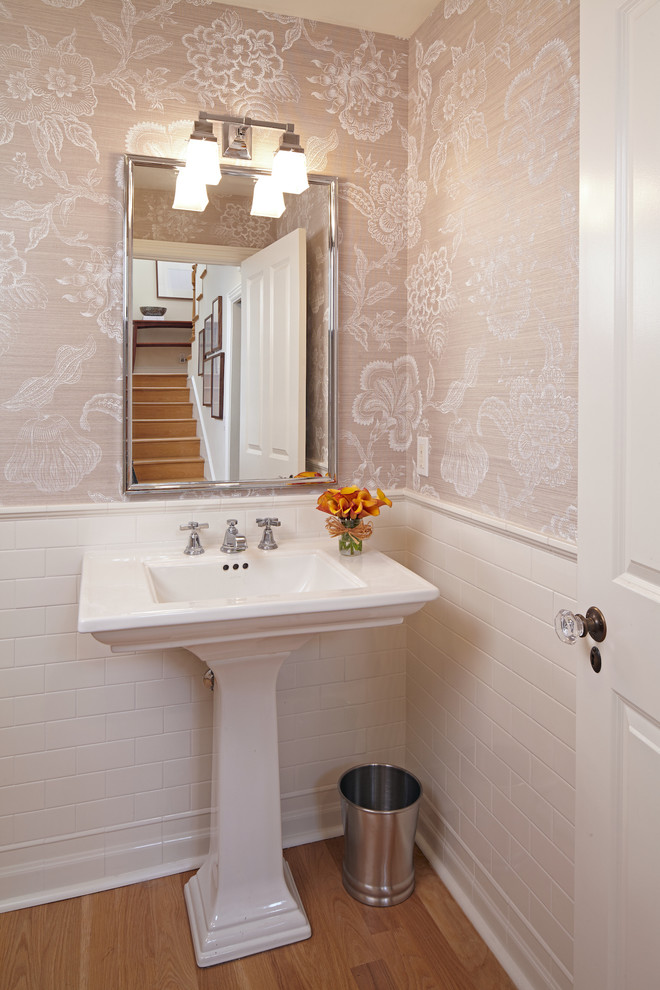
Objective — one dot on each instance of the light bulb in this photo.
(190, 193)
(290, 170)
(267, 200)
(202, 153)
(202, 159)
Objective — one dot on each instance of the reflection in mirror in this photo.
(229, 328)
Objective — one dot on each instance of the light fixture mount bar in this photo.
(247, 121)
(237, 141)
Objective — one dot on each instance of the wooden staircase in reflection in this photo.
(165, 444)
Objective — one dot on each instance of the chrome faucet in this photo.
(233, 541)
(194, 543)
(267, 541)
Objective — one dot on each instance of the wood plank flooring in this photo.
(137, 938)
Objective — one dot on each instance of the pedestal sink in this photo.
(242, 615)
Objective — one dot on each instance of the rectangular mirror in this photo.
(229, 335)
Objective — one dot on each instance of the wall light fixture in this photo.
(202, 167)
(202, 153)
(267, 198)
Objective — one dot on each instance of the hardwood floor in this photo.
(137, 938)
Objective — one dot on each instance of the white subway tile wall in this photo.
(105, 758)
(490, 731)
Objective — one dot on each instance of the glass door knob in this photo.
(571, 626)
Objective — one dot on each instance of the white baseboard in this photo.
(311, 815)
(40, 871)
(41, 874)
(527, 971)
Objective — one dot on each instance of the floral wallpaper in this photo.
(492, 274)
(80, 84)
(457, 158)
(226, 220)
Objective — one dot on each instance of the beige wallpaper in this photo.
(458, 275)
(492, 266)
(226, 220)
(82, 82)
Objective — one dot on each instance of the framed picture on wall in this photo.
(218, 385)
(216, 312)
(208, 336)
(174, 280)
(206, 382)
(200, 350)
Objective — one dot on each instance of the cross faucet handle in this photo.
(194, 544)
(267, 541)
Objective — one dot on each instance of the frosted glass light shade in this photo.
(290, 171)
(202, 158)
(190, 193)
(267, 200)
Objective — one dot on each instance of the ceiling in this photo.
(398, 17)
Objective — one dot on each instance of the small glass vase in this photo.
(349, 545)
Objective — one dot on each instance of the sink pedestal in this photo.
(242, 624)
(243, 899)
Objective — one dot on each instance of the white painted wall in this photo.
(219, 281)
(144, 293)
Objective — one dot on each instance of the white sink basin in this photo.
(242, 577)
(143, 598)
(241, 614)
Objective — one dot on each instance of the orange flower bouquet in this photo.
(348, 509)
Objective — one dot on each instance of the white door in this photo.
(618, 775)
(233, 381)
(273, 356)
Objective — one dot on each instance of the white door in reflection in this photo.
(273, 356)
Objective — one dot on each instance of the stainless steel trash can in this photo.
(379, 808)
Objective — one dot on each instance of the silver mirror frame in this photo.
(204, 488)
